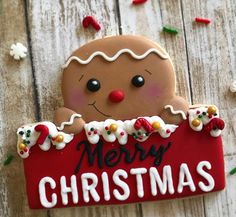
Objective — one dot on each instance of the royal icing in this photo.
(43, 134)
(70, 122)
(206, 118)
(161, 54)
(176, 112)
(111, 130)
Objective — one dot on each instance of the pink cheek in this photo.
(76, 99)
(152, 91)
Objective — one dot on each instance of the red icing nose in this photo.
(116, 96)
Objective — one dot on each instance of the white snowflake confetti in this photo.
(233, 87)
(18, 51)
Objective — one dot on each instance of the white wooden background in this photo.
(204, 58)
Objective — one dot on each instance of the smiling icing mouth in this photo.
(94, 106)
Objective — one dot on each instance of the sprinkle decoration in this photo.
(233, 171)
(137, 2)
(142, 122)
(8, 159)
(202, 20)
(170, 30)
(90, 20)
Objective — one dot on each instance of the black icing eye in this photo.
(21, 133)
(138, 81)
(93, 85)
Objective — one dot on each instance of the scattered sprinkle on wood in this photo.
(8, 159)
(170, 30)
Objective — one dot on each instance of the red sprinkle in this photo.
(89, 133)
(167, 131)
(106, 128)
(21, 152)
(95, 132)
(210, 116)
(137, 2)
(25, 149)
(122, 133)
(202, 20)
(198, 112)
(90, 20)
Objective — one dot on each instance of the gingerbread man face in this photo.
(120, 77)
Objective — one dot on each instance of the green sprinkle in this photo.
(199, 116)
(8, 159)
(139, 133)
(170, 30)
(108, 132)
(49, 136)
(233, 171)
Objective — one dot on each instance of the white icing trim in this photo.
(184, 174)
(106, 187)
(121, 184)
(164, 183)
(113, 58)
(70, 122)
(42, 192)
(176, 112)
(139, 179)
(207, 176)
(65, 190)
(89, 187)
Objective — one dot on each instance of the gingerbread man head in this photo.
(119, 77)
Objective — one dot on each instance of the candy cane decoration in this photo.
(214, 123)
(44, 132)
(142, 122)
(89, 20)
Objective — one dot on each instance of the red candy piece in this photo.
(202, 20)
(142, 122)
(215, 123)
(137, 2)
(116, 96)
(44, 132)
(89, 20)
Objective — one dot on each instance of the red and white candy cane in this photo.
(142, 122)
(44, 132)
(215, 123)
(89, 20)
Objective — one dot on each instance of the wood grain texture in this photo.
(148, 20)
(204, 58)
(16, 98)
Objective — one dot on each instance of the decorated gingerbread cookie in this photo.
(123, 135)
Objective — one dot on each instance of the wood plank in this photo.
(16, 107)
(212, 67)
(212, 59)
(56, 31)
(148, 20)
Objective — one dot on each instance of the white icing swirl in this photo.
(96, 129)
(70, 122)
(176, 112)
(161, 54)
(28, 137)
(201, 114)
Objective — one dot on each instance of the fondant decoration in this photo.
(18, 51)
(233, 87)
(42, 134)
(90, 20)
(207, 118)
(137, 2)
(123, 136)
(170, 30)
(202, 20)
(113, 58)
